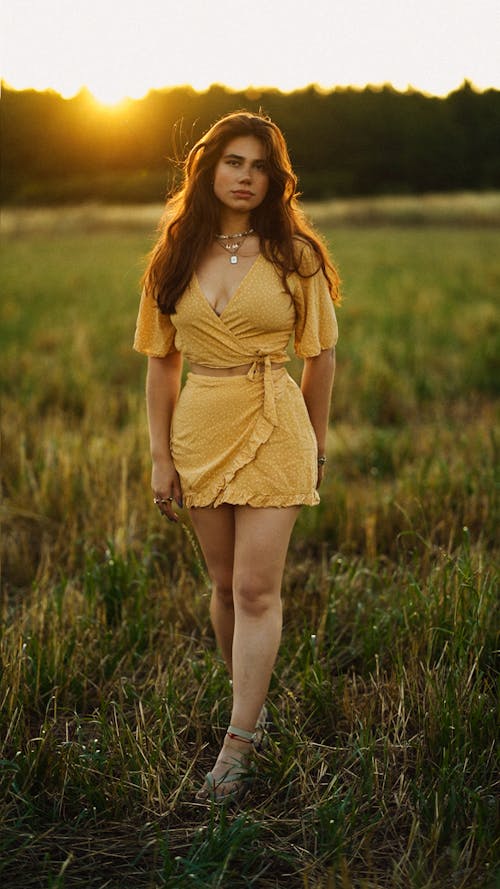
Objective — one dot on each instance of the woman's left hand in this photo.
(321, 474)
(321, 466)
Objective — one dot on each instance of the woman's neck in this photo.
(233, 223)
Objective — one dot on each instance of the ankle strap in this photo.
(239, 734)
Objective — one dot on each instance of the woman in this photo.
(235, 272)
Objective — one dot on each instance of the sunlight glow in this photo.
(108, 96)
(127, 49)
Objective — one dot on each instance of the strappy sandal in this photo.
(236, 774)
(260, 738)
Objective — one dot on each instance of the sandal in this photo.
(236, 774)
(260, 738)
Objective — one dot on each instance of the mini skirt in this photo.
(227, 450)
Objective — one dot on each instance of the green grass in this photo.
(381, 767)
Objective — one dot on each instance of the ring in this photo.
(158, 500)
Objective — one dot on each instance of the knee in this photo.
(222, 590)
(255, 597)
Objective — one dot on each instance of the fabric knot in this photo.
(262, 363)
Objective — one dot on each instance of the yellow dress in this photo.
(244, 439)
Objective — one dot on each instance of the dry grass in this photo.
(380, 772)
(458, 208)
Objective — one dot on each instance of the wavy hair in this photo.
(191, 218)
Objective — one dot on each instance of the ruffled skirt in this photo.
(226, 450)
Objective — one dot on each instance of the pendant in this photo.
(233, 259)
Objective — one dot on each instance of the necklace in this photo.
(234, 242)
(237, 235)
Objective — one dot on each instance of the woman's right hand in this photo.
(166, 487)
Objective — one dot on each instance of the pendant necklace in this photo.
(232, 243)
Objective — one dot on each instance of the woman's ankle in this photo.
(236, 745)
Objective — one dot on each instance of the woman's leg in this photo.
(215, 531)
(261, 538)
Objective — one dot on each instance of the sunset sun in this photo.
(108, 94)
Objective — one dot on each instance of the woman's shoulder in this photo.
(307, 258)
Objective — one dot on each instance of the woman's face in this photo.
(241, 179)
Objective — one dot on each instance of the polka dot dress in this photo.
(244, 439)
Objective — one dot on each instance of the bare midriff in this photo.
(240, 369)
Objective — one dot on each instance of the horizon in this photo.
(84, 89)
(125, 52)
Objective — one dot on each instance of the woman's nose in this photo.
(245, 174)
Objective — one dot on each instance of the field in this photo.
(380, 771)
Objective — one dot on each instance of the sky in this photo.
(119, 48)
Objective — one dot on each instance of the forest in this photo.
(344, 142)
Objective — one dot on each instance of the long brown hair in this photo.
(191, 218)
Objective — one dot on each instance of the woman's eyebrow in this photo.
(240, 157)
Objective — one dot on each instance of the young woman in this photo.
(235, 272)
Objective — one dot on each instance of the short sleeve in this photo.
(154, 331)
(315, 322)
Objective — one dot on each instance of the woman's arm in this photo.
(162, 391)
(316, 385)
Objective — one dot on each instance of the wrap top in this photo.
(254, 328)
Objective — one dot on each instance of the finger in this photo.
(164, 504)
(177, 492)
(169, 513)
(168, 509)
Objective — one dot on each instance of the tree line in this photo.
(342, 142)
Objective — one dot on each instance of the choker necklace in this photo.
(234, 242)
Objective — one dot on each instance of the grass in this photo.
(381, 769)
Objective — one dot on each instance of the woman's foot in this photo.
(228, 780)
